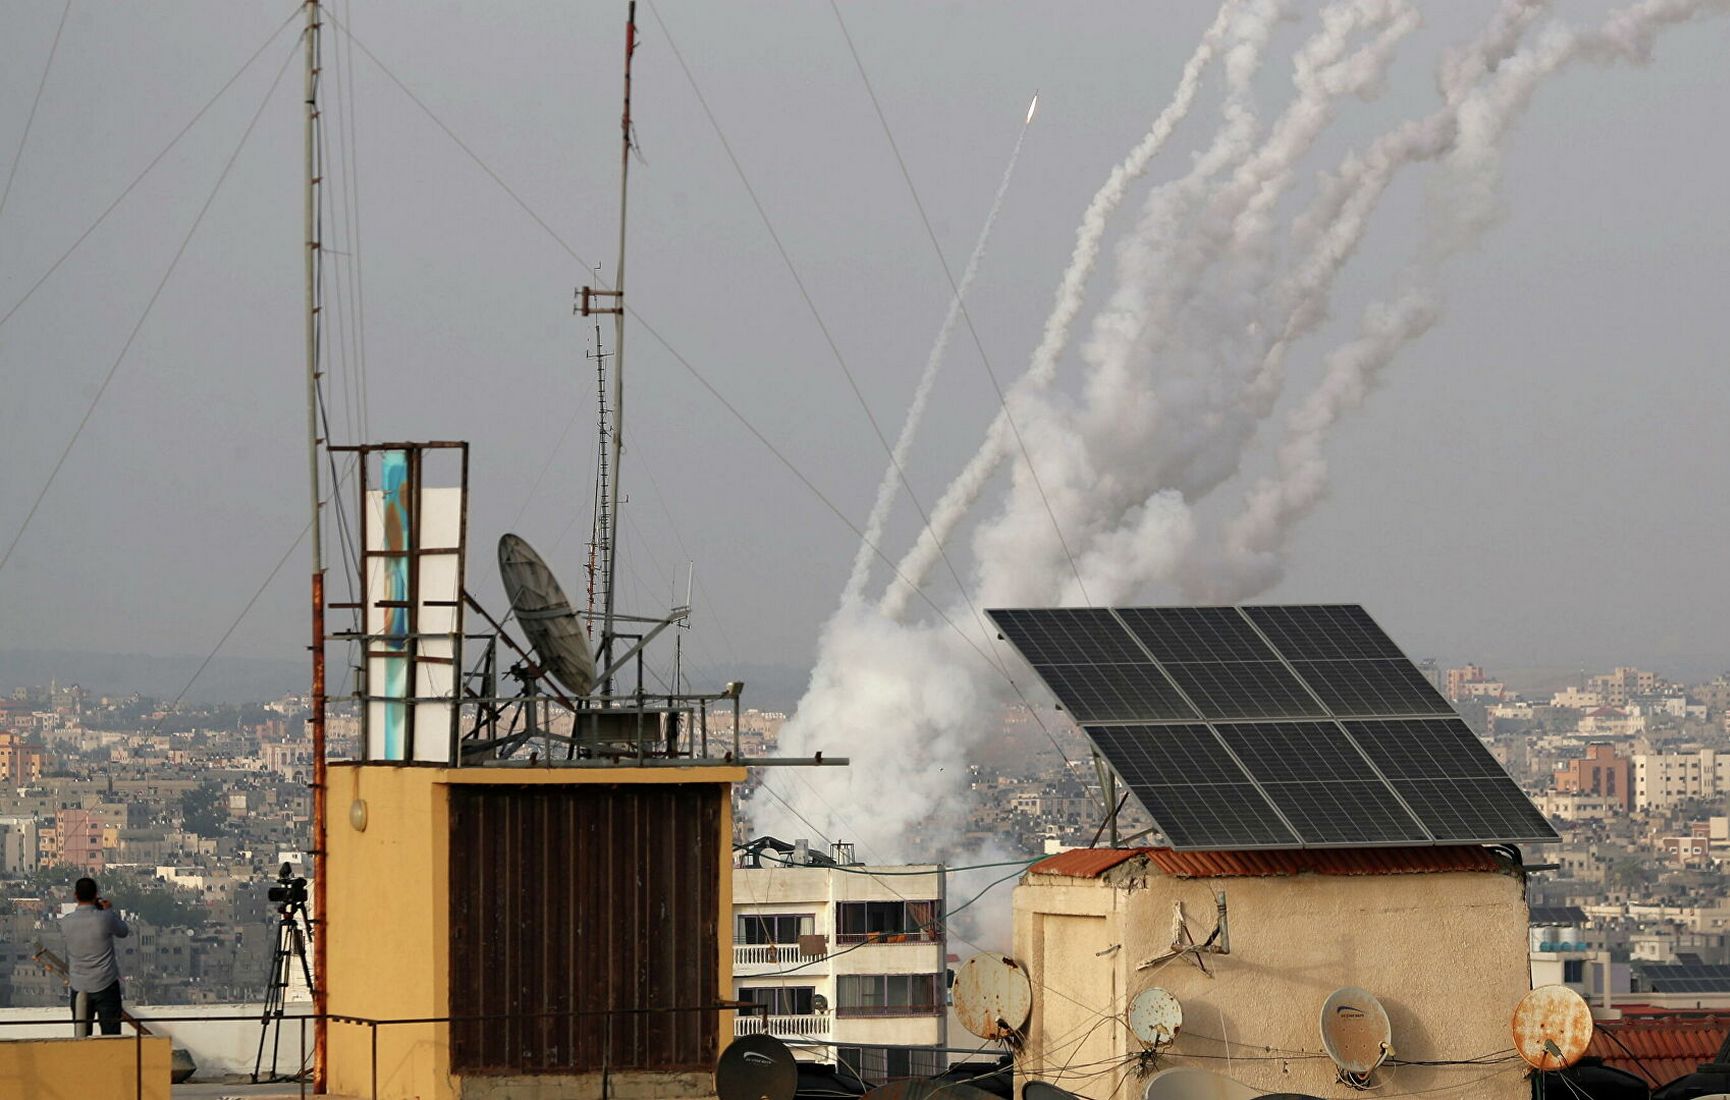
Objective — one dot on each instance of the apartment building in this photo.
(1666, 779)
(1601, 772)
(845, 961)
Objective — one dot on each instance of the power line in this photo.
(30, 119)
(816, 314)
(145, 315)
(954, 288)
(154, 161)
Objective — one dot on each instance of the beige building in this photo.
(1439, 935)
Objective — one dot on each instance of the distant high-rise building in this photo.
(20, 761)
(1601, 771)
(1456, 680)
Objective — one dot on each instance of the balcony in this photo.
(758, 957)
(817, 1025)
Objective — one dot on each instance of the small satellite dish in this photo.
(1155, 1016)
(756, 1067)
(993, 997)
(1355, 1030)
(1552, 1025)
(541, 606)
(1189, 1083)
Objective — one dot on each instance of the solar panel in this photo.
(1244, 689)
(1339, 632)
(1196, 634)
(1069, 636)
(1272, 727)
(1352, 688)
(1114, 693)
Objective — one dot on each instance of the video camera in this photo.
(289, 891)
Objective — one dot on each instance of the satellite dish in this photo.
(756, 1067)
(558, 638)
(993, 997)
(1155, 1016)
(1189, 1083)
(1552, 1025)
(1355, 1030)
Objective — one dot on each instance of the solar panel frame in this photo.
(1323, 632)
(1196, 634)
(1068, 636)
(1115, 693)
(1245, 689)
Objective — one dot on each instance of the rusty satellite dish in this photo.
(560, 642)
(993, 997)
(1355, 1030)
(756, 1067)
(1552, 1025)
(1155, 1016)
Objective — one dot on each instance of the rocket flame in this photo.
(1031, 107)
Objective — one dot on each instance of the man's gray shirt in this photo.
(90, 934)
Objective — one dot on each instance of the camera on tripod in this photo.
(289, 891)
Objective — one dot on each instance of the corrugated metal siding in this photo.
(1093, 862)
(595, 901)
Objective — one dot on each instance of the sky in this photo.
(1537, 482)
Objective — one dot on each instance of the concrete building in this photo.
(1601, 772)
(19, 846)
(1439, 935)
(1666, 779)
(1454, 681)
(847, 961)
(20, 761)
(1617, 687)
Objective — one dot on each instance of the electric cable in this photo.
(816, 315)
(144, 316)
(154, 161)
(966, 317)
(35, 101)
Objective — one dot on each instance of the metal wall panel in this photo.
(587, 918)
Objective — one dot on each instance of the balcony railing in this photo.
(817, 1025)
(769, 956)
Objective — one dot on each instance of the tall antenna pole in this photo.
(316, 530)
(618, 440)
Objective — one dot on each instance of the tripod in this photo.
(291, 936)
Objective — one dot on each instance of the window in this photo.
(781, 1000)
(889, 995)
(888, 921)
(756, 928)
(1573, 970)
(875, 1065)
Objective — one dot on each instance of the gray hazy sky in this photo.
(1539, 481)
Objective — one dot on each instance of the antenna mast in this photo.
(613, 301)
(316, 720)
(601, 537)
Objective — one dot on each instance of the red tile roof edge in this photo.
(1093, 862)
(1659, 1048)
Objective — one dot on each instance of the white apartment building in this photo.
(1665, 779)
(847, 962)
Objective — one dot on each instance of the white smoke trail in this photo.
(886, 489)
(1255, 539)
(1185, 285)
(1071, 294)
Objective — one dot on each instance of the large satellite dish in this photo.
(756, 1067)
(558, 637)
(993, 997)
(1552, 1025)
(1155, 1016)
(1355, 1030)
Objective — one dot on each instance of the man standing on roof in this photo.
(90, 931)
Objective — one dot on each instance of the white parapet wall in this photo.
(222, 1048)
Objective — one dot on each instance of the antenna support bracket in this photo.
(591, 301)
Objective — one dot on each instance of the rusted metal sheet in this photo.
(585, 922)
